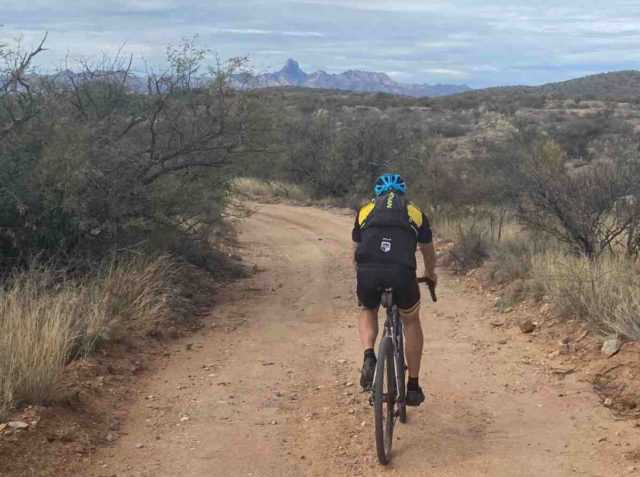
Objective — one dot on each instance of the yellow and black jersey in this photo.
(387, 230)
(417, 219)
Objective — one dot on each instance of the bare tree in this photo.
(584, 208)
(17, 103)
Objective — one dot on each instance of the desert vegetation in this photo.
(89, 166)
(539, 185)
(99, 185)
(47, 319)
(112, 184)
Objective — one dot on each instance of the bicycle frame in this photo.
(394, 329)
(390, 369)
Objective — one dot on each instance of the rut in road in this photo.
(270, 389)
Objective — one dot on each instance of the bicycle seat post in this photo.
(387, 298)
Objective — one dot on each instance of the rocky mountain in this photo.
(353, 80)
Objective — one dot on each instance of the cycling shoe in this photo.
(415, 397)
(366, 375)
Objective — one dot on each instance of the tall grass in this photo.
(46, 320)
(36, 337)
(606, 292)
(138, 289)
(603, 292)
(450, 226)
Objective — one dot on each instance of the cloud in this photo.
(447, 72)
(444, 44)
(384, 5)
(482, 43)
(484, 68)
(253, 31)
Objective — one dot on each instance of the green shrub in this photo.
(471, 248)
(510, 260)
(89, 166)
(518, 291)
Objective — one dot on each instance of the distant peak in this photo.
(292, 66)
(293, 72)
(291, 63)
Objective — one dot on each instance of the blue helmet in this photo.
(389, 182)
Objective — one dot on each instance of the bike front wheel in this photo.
(384, 400)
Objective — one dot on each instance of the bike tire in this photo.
(384, 395)
(402, 380)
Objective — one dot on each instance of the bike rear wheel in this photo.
(384, 400)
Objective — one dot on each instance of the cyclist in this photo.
(386, 233)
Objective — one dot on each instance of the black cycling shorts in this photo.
(373, 280)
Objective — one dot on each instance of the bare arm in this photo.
(429, 257)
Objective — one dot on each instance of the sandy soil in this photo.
(270, 388)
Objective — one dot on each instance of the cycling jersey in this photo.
(387, 230)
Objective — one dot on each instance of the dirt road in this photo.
(270, 388)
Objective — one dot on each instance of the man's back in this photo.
(387, 230)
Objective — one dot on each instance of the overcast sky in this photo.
(480, 43)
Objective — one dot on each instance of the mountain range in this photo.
(616, 85)
(353, 80)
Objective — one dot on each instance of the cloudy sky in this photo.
(480, 43)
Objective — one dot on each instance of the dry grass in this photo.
(268, 191)
(606, 293)
(449, 228)
(138, 289)
(46, 320)
(510, 260)
(36, 336)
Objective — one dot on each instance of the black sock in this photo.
(369, 353)
(413, 384)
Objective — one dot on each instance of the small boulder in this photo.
(611, 346)
(527, 326)
(172, 332)
(566, 346)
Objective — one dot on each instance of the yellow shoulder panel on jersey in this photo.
(415, 214)
(364, 212)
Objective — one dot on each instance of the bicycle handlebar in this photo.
(432, 287)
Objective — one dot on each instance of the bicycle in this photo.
(389, 401)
